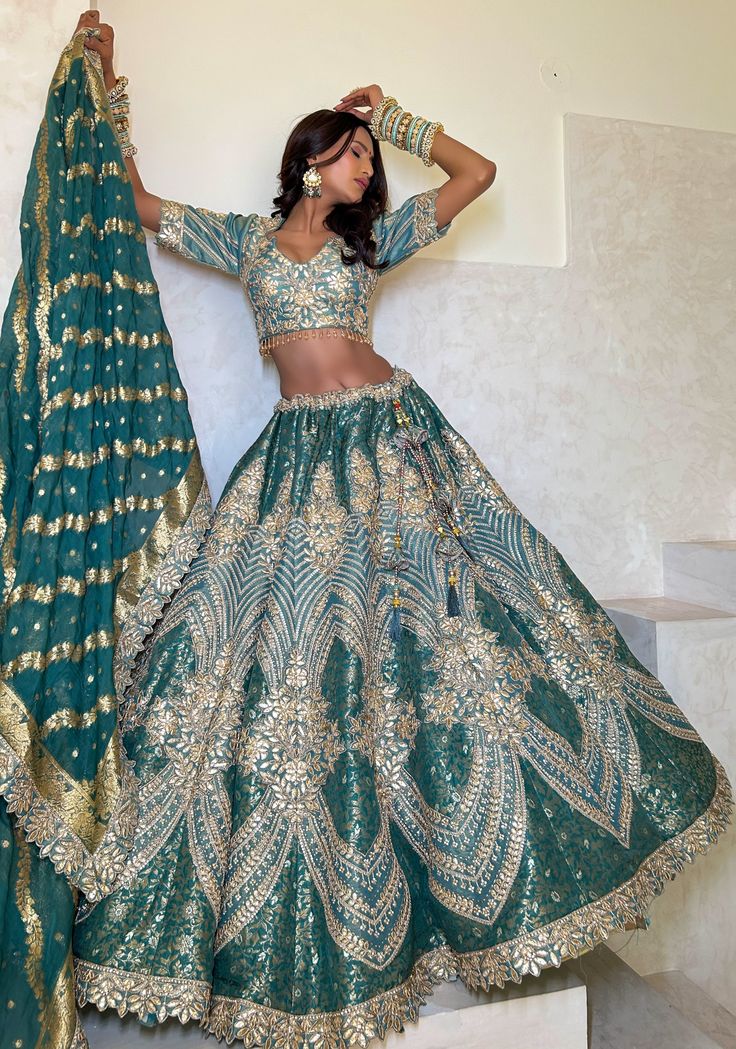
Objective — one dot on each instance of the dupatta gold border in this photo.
(54, 810)
(558, 941)
(154, 571)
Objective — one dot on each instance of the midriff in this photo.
(323, 363)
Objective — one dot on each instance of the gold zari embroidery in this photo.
(97, 394)
(83, 460)
(332, 398)
(550, 945)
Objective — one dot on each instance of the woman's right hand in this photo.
(103, 43)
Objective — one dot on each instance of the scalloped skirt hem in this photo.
(154, 999)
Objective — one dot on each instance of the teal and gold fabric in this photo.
(291, 297)
(103, 504)
(336, 814)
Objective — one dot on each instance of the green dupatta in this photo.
(103, 504)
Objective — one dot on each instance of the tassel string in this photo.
(444, 518)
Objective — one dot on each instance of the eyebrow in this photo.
(359, 143)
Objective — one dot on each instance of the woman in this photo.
(383, 734)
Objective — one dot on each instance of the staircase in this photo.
(698, 603)
(687, 638)
(595, 1002)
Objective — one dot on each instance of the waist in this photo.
(388, 389)
(266, 345)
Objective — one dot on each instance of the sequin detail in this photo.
(377, 391)
(526, 955)
(324, 809)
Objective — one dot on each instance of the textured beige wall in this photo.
(217, 134)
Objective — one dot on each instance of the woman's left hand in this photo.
(361, 96)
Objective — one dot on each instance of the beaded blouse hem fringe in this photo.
(563, 939)
(266, 345)
(377, 391)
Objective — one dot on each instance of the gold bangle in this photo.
(377, 117)
(117, 89)
(428, 141)
(404, 123)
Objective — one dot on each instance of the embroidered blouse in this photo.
(293, 299)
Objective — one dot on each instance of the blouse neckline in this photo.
(275, 223)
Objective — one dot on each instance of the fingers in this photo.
(88, 20)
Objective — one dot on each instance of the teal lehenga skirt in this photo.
(383, 736)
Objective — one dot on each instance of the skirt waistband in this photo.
(378, 391)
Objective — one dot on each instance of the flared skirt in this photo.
(383, 736)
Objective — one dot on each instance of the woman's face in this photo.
(347, 179)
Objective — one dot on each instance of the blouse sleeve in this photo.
(214, 238)
(401, 233)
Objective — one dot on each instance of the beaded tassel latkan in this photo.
(452, 545)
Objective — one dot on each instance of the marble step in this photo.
(649, 624)
(701, 572)
(690, 1000)
(549, 1010)
(626, 1012)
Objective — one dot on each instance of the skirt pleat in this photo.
(383, 736)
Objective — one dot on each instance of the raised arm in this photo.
(470, 173)
(148, 205)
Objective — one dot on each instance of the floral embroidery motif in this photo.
(326, 521)
(292, 746)
(287, 706)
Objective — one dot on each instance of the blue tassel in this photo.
(453, 606)
(395, 627)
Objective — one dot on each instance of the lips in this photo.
(362, 183)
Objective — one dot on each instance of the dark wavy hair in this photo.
(315, 134)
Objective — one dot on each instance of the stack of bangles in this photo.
(391, 123)
(120, 109)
